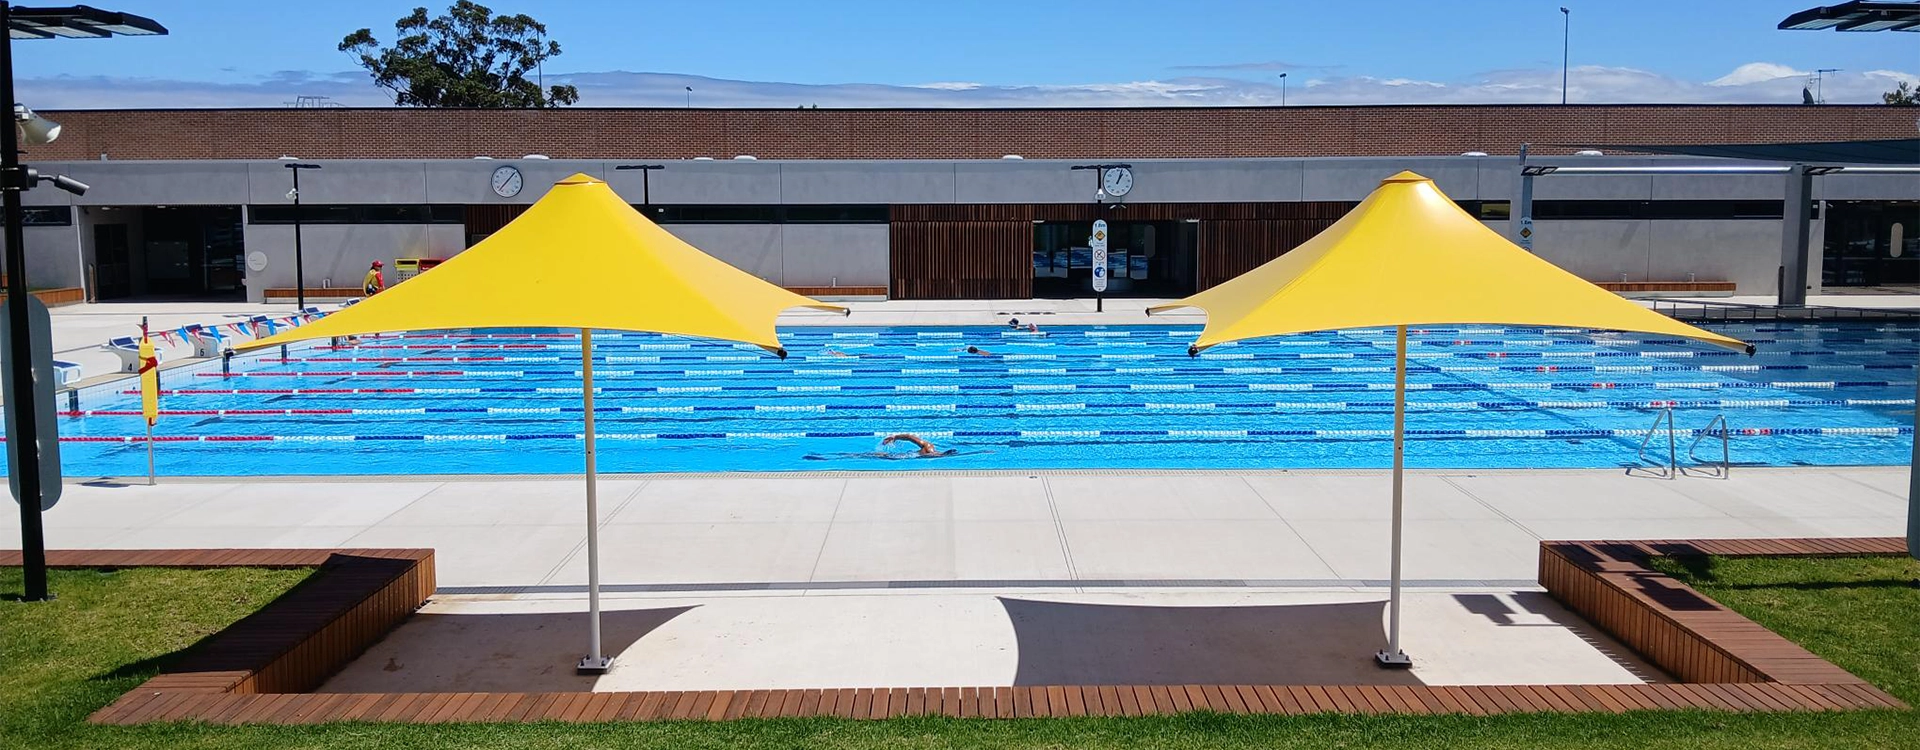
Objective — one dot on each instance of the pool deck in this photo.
(1069, 531)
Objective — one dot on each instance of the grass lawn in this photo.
(107, 632)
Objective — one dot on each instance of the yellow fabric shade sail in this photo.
(579, 258)
(1408, 255)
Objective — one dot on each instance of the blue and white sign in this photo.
(1099, 244)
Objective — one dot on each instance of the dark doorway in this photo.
(1144, 259)
(191, 251)
(1871, 243)
(112, 262)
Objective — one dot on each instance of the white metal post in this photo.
(595, 662)
(150, 475)
(1393, 657)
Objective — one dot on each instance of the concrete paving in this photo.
(1056, 528)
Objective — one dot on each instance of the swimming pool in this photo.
(1064, 397)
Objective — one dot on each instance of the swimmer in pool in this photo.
(838, 353)
(979, 351)
(927, 450)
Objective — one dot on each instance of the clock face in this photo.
(506, 182)
(1119, 181)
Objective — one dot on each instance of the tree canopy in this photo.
(467, 57)
(1902, 95)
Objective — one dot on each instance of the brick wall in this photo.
(941, 134)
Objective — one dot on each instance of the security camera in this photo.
(293, 194)
(33, 177)
(68, 184)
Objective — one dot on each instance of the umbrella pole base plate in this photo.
(1395, 660)
(590, 665)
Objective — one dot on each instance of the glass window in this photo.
(713, 214)
(398, 213)
(46, 216)
(876, 214)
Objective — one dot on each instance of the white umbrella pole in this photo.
(1393, 657)
(595, 662)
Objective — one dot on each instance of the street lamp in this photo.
(689, 97)
(1283, 89)
(1566, 27)
(299, 259)
(80, 22)
(646, 189)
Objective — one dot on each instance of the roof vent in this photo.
(1475, 153)
(746, 157)
(1589, 152)
(535, 156)
(1015, 157)
(703, 158)
(484, 157)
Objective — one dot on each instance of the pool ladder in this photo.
(1705, 467)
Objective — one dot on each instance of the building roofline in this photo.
(877, 110)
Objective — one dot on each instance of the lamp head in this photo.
(34, 129)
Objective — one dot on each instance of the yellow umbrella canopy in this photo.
(1407, 255)
(581, 257)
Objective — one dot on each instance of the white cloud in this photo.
(1757, 72)
(1758, 82)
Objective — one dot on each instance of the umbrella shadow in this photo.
(492, 653)
(1069, 643)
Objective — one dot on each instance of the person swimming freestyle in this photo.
(927, 449)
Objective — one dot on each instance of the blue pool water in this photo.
(1066, 397)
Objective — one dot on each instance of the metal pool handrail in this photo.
(1673, 463)
(1726, 456)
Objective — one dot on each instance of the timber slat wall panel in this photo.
(1328, 211)
(962, 260)
(954, 251)
(1226, 249)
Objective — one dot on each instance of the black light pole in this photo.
(299, 258)
(1283, 89)
(646, 188)
(33, 543)
(35, 23)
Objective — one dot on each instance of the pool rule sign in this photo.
(1099, 244)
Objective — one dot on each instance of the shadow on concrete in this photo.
(1536, 606)
(481, 653)
(1062, 643)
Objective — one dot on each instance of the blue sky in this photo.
(993, 53)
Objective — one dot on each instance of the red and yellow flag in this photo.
(149, 381)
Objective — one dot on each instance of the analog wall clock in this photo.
(507, 181)
(1118, 182)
